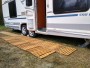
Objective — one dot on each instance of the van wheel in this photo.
(24, 30)
(32, 34)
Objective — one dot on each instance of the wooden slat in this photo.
(8, 38)
(2, 35)
(9, 33)
(65, 50)
(40, 51)
(48, 45)
(26, 46)
(15, 41)
(38, 47)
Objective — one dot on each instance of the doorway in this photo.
(41, 15)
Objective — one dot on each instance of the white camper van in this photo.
(69, 18)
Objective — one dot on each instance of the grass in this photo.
(3, 28)
(13, 57)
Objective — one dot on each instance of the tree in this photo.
(1, 16)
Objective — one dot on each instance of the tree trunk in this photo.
(1, 16)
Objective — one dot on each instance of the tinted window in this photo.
(28, 2)
(12, 9)
(67, 6)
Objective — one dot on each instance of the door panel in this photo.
(30, 12)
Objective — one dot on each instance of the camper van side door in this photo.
(30, 13)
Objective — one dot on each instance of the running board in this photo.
(41, 32)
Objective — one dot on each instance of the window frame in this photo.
(12, 13)
(28, 5)
(74, 11)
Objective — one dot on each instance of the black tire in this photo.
(24, 30)
(32, 34)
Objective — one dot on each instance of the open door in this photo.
(31, 14)
(41, 15)
(36, 14)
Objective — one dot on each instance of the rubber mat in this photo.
(38, 47)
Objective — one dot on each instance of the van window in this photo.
(28, 2)
(12, 9)
(69, 6)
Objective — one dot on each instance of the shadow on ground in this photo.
(58, 39)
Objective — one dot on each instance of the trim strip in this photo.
(84, 32)
(6, 17)
(16, 18)
(68, 15)
(9, 16)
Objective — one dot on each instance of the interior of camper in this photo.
(41, 15)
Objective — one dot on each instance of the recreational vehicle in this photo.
(69, 18)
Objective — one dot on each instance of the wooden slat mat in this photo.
(38, 47)
(48, 45)
(65, 50)
(40, 51)
(26, 46)
(9, 33)
(2, 35)
(9, 38)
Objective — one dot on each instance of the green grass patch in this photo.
(2, 27)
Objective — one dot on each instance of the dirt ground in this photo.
(13, 57)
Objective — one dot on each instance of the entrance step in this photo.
(42, 29)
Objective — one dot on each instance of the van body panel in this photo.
(51, 17)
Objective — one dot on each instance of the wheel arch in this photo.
(22, 25)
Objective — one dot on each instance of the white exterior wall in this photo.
(16, 22)
(76, 24)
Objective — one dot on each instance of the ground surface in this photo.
(13, 57)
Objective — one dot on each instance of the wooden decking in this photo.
(37, 47)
